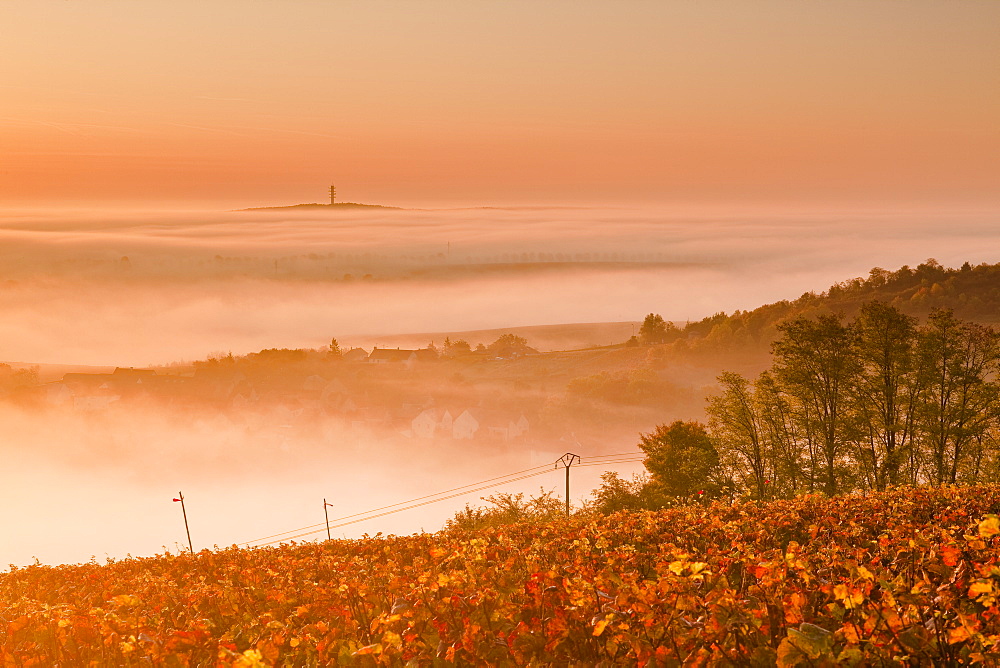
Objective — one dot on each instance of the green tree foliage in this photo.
(15, 379)
(815, 364)
(455, 348)
(879, 402)
(617, 493)
(736, 419)
(334, 350)
(635, 386)
(655, 330)
(787, 448)
(970, 291)
(681, 459)
(506, 508)
(885, 391)
(510, 345)
(959, 362)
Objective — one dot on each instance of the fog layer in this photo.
(85, 475)
(134, 288)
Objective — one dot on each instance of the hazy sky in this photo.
(499, 102)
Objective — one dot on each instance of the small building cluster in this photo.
(290, 398)
(469, 424)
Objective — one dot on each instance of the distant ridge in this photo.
(355, 205)
(310, 207)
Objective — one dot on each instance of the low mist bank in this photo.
(134, 288)
(89, 484)
(258, 441)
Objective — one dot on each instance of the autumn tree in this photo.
(654, 329)
(333, 350)
(815, 364)
(454, 348)
(617, 493)
(508, 508)
(14, 379)
(681, 459)
(510, 345)
(876, 403)
(793, 453)
(735, 419)
(958, 363)
(886, 390)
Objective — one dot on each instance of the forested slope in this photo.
(972, 292)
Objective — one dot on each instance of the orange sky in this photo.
(499, 102)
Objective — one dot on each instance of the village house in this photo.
(477, 423)
(432, 422)
(58, 394)
(406, 358)
(89, 391)
(355, 355)
(131, 376)
(94, 391)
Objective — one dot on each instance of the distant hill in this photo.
(339, 206)
(692, 355)
(972, 292)
(543, 337)
(50, 372)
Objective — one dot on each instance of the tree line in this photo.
(972, 292)
(880, 401)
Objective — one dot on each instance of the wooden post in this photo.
(327, 516)
(187, 529)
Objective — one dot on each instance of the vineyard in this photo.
(905, 577)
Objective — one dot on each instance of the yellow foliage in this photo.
(989, 526)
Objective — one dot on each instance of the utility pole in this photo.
(327, 516)
(333, 194)
(567, 461)
(186, 528)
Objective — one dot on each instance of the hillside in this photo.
(908, 577)
(594, 387)
(973, 293)
(741, 340)
(546, 338)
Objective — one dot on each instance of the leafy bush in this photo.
(508, 509)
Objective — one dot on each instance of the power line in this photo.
(612, 461)
(617, 454)
(592, 462)
(427, 499)
(545, 468)
(396, 510)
